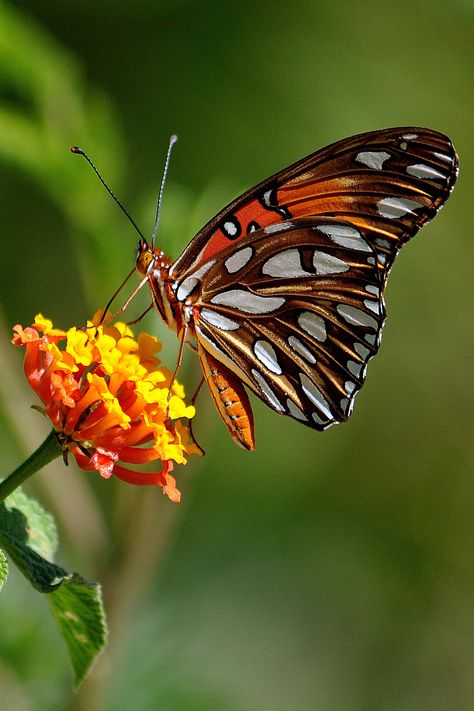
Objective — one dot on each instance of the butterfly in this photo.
(283, 290)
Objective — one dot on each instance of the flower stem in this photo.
(45, 453)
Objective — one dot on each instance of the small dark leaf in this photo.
(26, 520)
(43, 575)
(27, 533)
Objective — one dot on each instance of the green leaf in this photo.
(27, 533)
(3, 568)
(41, 528)
(77, 608)
(43, 575)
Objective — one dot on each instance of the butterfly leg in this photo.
(230, 398)
(179, 360)
(125, 305)
(139, 318)
(190, 426)
(109, 303)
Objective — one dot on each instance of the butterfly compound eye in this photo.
(144, 258)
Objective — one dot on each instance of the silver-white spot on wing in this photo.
(278, 227)
(328, 264)
(384, 243)
(355, 368)
(238, 260)
(347, 406)
(356, 317)
(266, 354)
(444, 157)
(286, 264)
(361, 350)
(345, 236)
(349, 387)
(420, 170)
(410, 136)
(199, 273)
(189, 283)
(247, 302)
(393, 207)
(313, 325)
(295, 411)
(267, 390)
(186, 287)
(301, 349)
(230, 228)
(372, 289)
(315, 395)
(219, 320)
(372, 306)
(373, 159)
(320, 421)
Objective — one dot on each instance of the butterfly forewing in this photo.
(387, 182)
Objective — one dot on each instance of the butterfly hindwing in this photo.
(295, 313)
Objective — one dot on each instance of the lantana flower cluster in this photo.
(108, 399)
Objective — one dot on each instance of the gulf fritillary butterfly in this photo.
(282, 291)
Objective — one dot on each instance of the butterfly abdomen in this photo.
(230, 398)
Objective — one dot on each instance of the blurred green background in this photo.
(325, 571)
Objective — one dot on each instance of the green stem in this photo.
(45, 453)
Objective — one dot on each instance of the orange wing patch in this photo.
(257, 213)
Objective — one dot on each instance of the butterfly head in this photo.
(146, 258)
(150, 260)
(153, 264)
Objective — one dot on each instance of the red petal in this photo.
(104, 463)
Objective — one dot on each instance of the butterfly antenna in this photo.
(81, 152)
(173, 140)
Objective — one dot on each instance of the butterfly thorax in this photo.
(152, 263)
